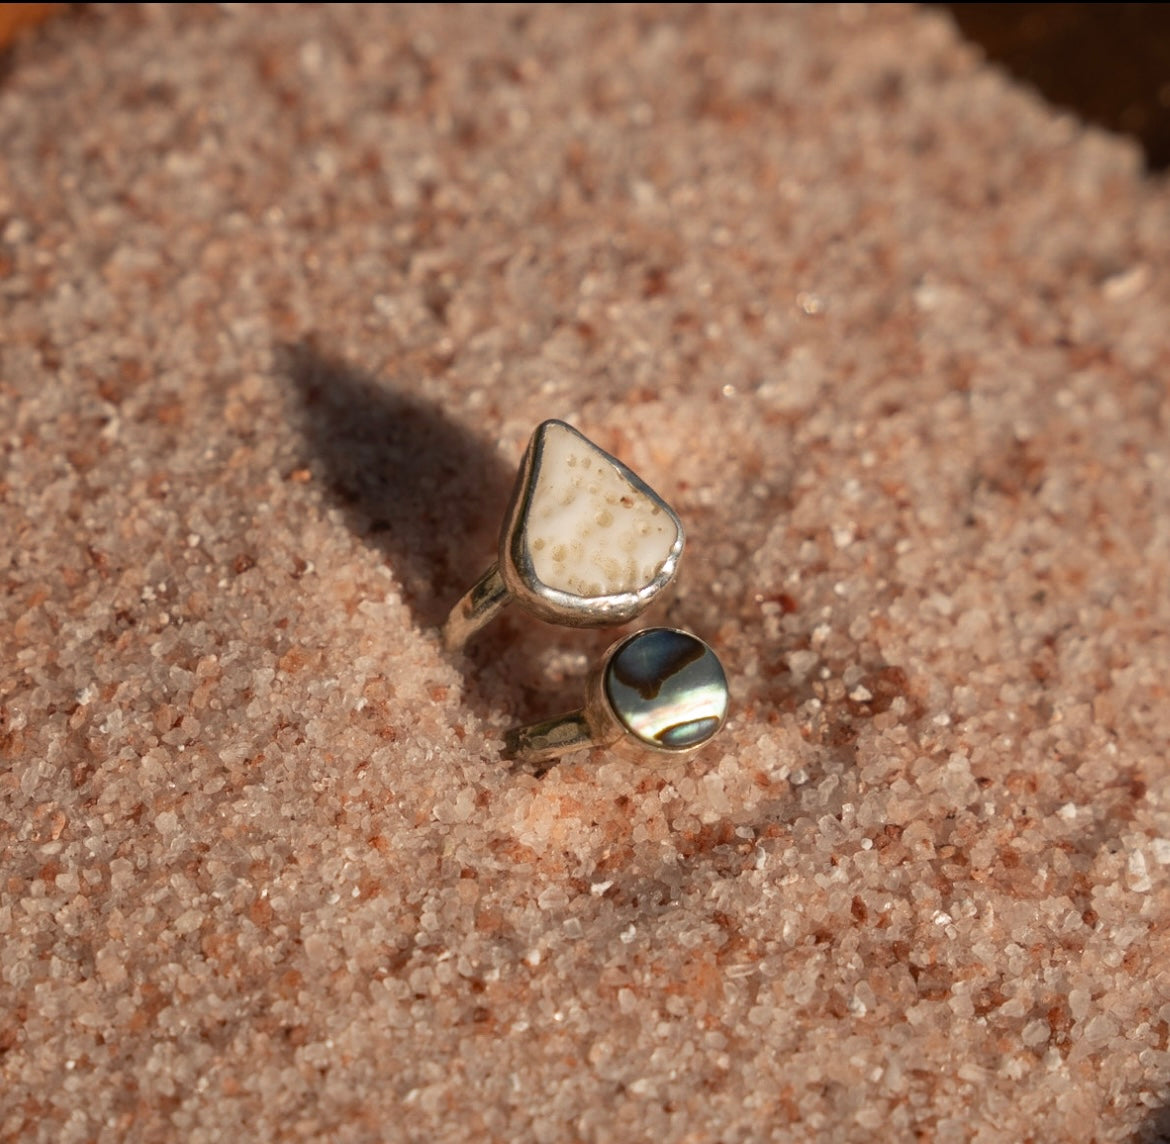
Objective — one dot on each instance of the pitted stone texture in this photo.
(589, 531)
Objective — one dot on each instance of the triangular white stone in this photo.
(592, 529)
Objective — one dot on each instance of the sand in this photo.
(283, 294)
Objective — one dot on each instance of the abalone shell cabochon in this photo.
(667, 688)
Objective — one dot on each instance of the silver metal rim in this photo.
(596, 724)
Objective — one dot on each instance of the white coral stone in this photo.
(589, 531)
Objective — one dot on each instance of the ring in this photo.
(585, 542)
(659, 690)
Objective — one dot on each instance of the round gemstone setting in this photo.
(667, 688)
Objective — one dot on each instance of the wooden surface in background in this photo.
(1110, 63)
(16, 17)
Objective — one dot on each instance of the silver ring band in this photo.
(476, 609)
(658, 691)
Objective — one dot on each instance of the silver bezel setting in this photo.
(597, 724)
(608, 727)
(551, 604)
